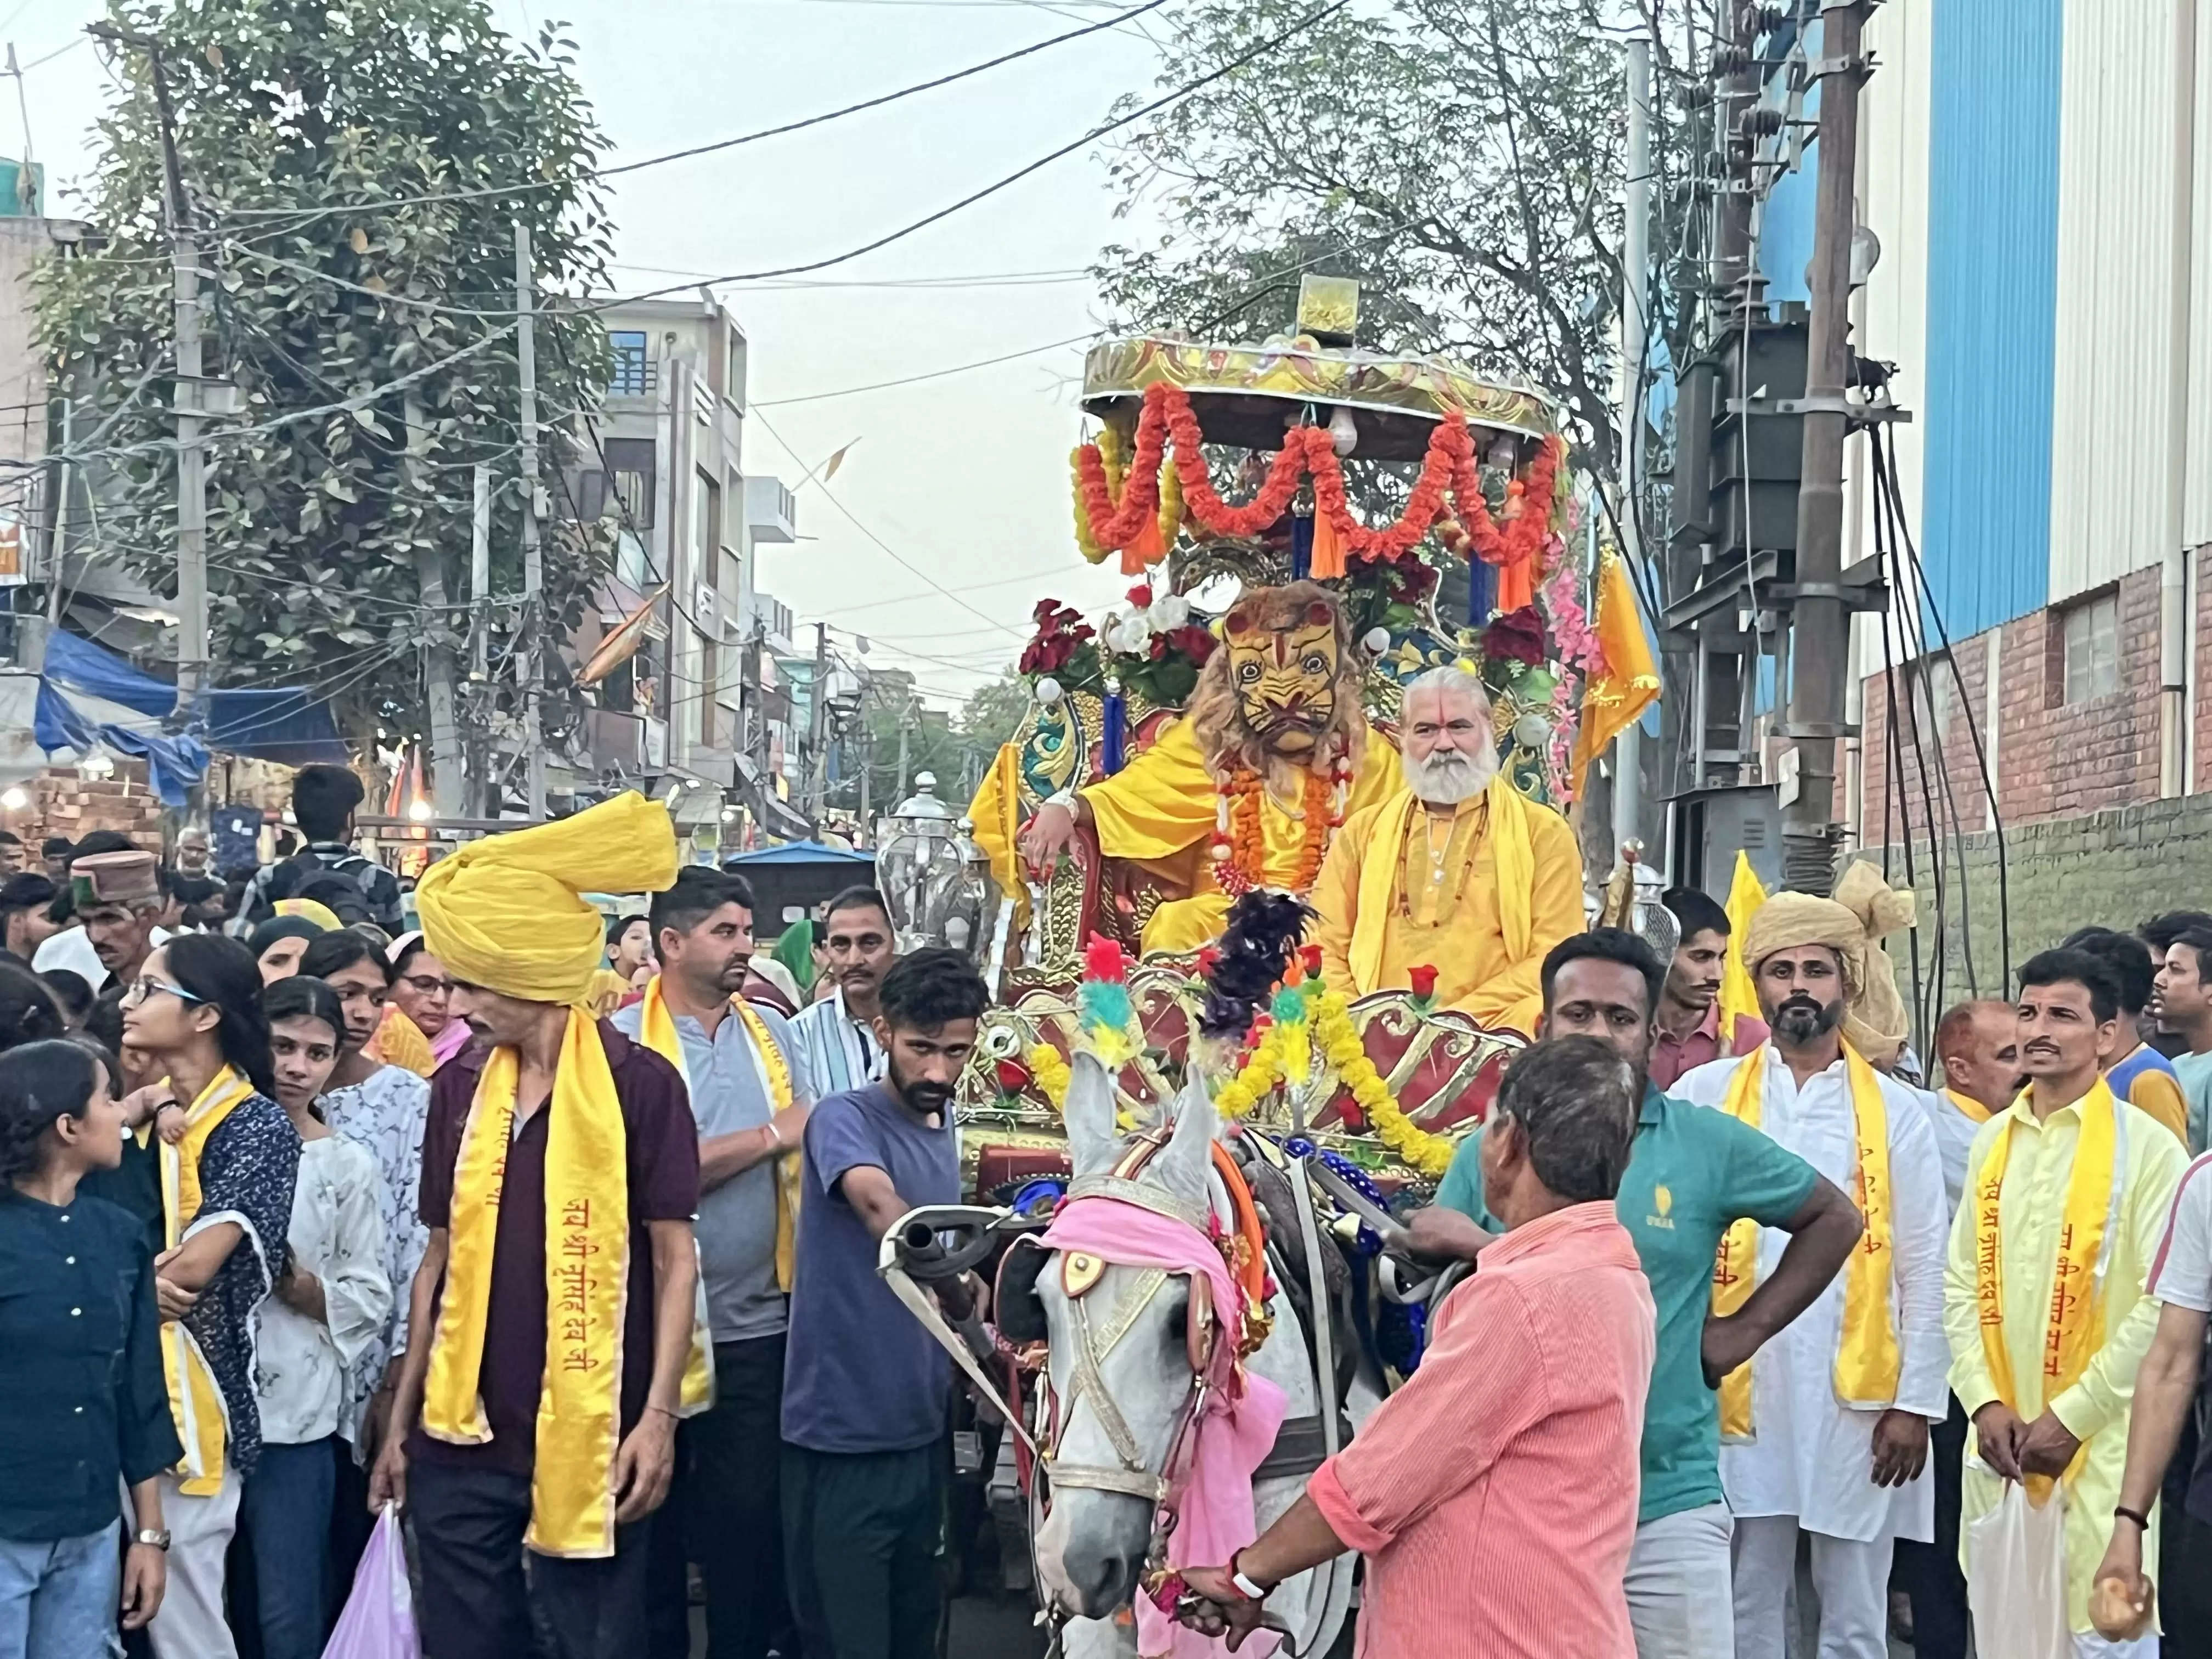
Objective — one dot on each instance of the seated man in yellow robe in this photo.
(1239, 791)
(1457, 870)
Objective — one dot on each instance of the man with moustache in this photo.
(749, 1090)
(1826, 1432)
(1692, 1174)
(2048, 1300)
(1688, 1030)
(1457, 871)
(838, 1034)
(2181, 1001)
(866, 1390)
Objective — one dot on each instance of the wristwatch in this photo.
(157, 1536)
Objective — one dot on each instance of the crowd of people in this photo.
(560, 1231)
(1872, 1314)
(498, 1215)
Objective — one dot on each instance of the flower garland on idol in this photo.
(1258, 960)
(1121, 509)
(1239, 852)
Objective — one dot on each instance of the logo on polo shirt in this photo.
(1663, 1201)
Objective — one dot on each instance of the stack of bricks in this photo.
(63, 803)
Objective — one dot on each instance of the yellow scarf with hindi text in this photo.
(656, 1029)
(1868, 1360)
(195, 1402)
(1512, 850)
(578, 1428)
(2075, 1329)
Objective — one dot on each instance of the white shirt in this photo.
(301, 1365)
(1811, 1456)
(1954, 1139)
(2181, 1272)
(71, 948)
(386, 1115)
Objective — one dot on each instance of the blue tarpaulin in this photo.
(291, 726)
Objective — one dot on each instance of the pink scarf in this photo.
(1214, 1512)
(453, 1037)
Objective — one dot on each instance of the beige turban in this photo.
(1865, 911)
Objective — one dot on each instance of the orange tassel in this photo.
(1328, 559)
(1144, 551)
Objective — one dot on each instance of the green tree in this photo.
(357, 171)
(1462, 157)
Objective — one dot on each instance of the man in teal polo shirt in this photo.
(1692, 1174)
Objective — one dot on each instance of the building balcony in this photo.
(771, 511)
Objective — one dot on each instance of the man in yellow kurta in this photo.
(2068, 1190)
(1456, 869)
(1277, 707)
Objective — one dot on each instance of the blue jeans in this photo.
(285, 1509)
(58, 1600)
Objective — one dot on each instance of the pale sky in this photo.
(965, 476)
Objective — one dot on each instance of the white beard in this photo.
(1448, 778)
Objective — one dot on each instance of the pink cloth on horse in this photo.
(1214, 1516)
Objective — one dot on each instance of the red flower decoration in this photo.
(1423, 980)
(1103, 960)
(1516, 636)
(1207, 956)
(1141, 596)
(1013, 1076)
(1310, 955)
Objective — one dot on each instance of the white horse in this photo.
(1092, 1546)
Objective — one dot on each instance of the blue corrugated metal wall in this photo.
(1992, 304)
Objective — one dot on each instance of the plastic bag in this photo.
(2016, 1578)
(379, 1620)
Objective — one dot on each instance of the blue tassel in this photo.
(1114, 739)
(1301, 547)
(1481, 585)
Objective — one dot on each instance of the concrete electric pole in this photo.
(533, 572)
(1635, 326)
(449, 768)
(1820, 629)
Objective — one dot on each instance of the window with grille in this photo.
(2091, 631)
(632, 369)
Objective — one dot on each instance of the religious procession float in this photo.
(1289, 516)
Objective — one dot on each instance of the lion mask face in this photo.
(1285, 678)
(1284, 688)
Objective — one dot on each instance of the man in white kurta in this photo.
(1851, 1475)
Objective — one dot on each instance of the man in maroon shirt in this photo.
(471, 1504)
(1689, 1018)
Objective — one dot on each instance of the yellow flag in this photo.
(1745, 895)
(1616, 696)
(996, 813)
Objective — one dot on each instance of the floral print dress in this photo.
(385, 1114)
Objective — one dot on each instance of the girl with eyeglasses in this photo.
(83, 1408)
(332, 1307)
(195, 1010)
(384, 1108)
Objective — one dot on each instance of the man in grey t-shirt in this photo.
(750, 1101)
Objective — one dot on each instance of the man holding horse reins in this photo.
(867, 1391)
(1692, 1174)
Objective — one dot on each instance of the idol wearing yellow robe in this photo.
(1479, 906)
(1160, 809)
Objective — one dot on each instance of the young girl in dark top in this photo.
(82, 1405)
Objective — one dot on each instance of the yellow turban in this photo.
(1864, 911)
(506, 913)
(312, 910)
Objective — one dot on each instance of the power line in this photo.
(718, 144)
(932, 374)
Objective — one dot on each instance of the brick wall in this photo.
(2053, 759)
(64, 804)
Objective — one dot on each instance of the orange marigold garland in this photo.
(1117, 516)
(1240, 843)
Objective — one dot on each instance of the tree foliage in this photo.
(307, 134)
(1462, 157)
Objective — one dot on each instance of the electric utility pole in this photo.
(1635, 285)
(479, 747)
(191, 475)
(1820, 629)
(449, 769)
(533, 573)
(817, 725)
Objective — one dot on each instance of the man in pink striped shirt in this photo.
(1495, 1494)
